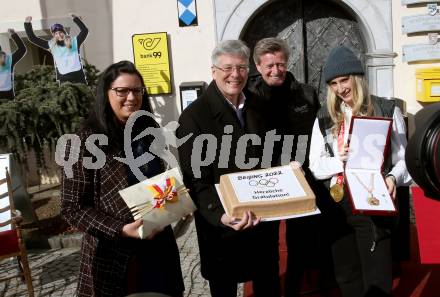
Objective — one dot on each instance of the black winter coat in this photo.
(223, 251)
(290, 109)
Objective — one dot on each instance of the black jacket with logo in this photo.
(290, 109)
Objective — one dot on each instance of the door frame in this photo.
(375, 23)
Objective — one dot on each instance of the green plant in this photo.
(42, 111)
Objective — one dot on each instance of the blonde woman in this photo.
(360, 244)
(64, 49)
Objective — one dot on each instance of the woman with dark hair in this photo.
(7, 64)
(64, 49)
(114, 260)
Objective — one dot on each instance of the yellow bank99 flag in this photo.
(150, 51)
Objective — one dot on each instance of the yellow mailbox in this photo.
(428, 84)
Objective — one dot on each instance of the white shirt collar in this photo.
(241, 100)
(239, 109)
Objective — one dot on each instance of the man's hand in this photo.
(247, 221)
(297, 165)
(391, 185)
(11, 31)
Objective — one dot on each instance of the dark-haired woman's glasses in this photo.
(123, 92)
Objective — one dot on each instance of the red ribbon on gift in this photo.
(164, 194)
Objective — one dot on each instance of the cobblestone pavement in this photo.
(54, 272)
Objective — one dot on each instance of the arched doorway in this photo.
(311, 29)
(373, 20)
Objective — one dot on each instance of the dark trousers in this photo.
(7, 94)
(307, 247)
(73, 77)
(266, 284)
(247, 255)
(302, 239)
(362, 266)
(160, 274)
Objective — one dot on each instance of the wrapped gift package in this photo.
(268, 193)
(159, 201)
(369, 143)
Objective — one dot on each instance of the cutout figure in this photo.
(7, 63)
(64, 49)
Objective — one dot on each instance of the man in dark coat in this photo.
(290, 108)
(232, 250)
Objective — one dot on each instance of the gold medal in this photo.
(370, 198)
(337, 192)
(373, 200)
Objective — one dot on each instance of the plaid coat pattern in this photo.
(90, 202)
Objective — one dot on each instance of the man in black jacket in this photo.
(231, 250)
(290, 108)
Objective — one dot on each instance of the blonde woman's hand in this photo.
(390, 180)
(343, 155)
(131, 229)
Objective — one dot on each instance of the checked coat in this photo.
(90, 202)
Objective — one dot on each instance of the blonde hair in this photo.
(362, 104)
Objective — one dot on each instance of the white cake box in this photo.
(268, 193)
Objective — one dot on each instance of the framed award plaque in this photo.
(369, 142)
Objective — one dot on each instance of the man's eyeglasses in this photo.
(123, 92)
(229, 69)
(278, 65)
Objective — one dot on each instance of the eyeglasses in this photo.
(278, 65)
(229, 69)
(123, 92)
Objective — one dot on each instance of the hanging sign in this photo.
(421, 52)
(408, 2)
(150, 52)
(187, 13)
(420, 23)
